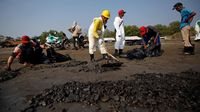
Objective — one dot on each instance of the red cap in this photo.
(25, 39)
(121, 12)
(143, 30)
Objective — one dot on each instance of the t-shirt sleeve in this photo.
(186, 12)
(189, 11)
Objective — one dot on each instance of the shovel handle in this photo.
(113, 57)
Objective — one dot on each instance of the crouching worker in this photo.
(95, 35)
(24, 52)
(151, 40)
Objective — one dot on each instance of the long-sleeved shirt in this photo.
(119, 26)
(97, 27)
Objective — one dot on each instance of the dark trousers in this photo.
(75, 39)
(81, 42)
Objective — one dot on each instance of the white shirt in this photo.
(119, 26)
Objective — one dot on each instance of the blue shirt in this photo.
(152, 33)
(147, 38)
(185, 13)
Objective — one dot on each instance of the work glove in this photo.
(100, 41)
(99, 32)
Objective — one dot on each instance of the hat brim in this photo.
(25, 42)
(142, 34)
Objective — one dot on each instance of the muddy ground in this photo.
(166, 83)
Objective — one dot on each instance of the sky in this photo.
(32, 17)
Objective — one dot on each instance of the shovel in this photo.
(110, 54)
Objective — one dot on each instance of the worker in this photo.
(186, 18)
(151, 39)
(76, 31)
(95, 34)
(197, 28)
(24, 52)
(120, 35)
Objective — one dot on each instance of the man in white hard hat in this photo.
(120, 35)
(197, 28)
(95, 35)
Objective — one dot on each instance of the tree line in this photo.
(164, 30)
(130, 30)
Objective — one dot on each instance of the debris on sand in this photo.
(84, 66)
(72, 63)
(7, 75)
(155, 92)
(141, 53)
(100, 67)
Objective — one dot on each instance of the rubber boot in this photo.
(121, 54)
(92, 57)
(191, 50)
(187, 50)
(116, 52)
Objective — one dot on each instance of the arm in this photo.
(155, 39)
(16, 52)
(71, 30)
(190, 18)
(9, 63)
(144, 44)
(116, 25)
(97, 24)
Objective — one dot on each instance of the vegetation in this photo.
(52, 32)
(164, 30)
(130, 30)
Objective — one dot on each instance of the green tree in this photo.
(109, 33)
(52, 32)
(192, 31)
(43, 37)
(174, 27)
(162, 29)
(131, 30)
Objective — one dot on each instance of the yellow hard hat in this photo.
(106, 13)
